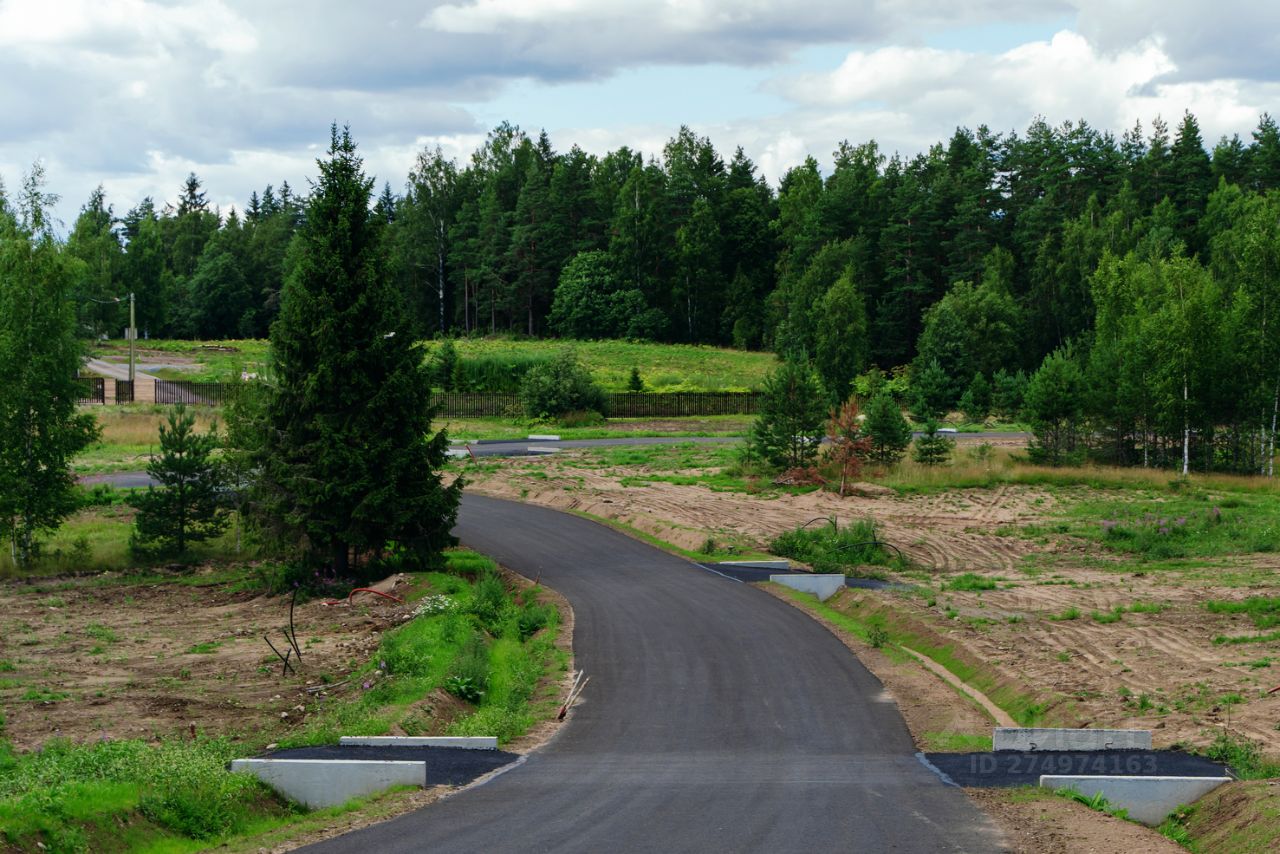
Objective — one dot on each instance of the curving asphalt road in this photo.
(718, 719)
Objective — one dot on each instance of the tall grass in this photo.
(70, 796)
(662, 367)
(1004, 466)
(496, 372)
(828, 548)
(485, 646)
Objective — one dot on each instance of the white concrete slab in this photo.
(544, 437)
(758, 564)
(317, 783)
(1147, 799)
(1047, 738)
(457, 453)
(468, 742)
(542, 449)
(823, 586)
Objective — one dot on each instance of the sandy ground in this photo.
(114, 660)
(1160, 671)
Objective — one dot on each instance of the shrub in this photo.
(789, 427)
(933, 449)
(560, 386)
(833, 549)
(889, 432)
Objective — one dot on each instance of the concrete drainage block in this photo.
(1044, 738)
(823, 586)
(757, 564)
(317, 783)
(1147, 799)
(468, 742)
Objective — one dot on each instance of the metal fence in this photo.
(200, 394)
(93, 390)
(124, 391)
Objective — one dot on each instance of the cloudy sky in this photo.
(134, 94)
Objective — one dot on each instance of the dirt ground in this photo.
(1151, 670)
(93, 658)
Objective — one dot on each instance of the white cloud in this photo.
(136, 93)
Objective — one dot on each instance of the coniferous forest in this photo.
(1121, 293)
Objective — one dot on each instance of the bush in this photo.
(933, 449)
(833, 549)
(560, 386)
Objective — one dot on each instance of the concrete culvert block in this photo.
(1146, 799)
(758, 564)
(823, 586)
(1045, 738)
(317, 783)
(468, 742)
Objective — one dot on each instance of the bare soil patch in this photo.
(1042, 823)
(94, 660)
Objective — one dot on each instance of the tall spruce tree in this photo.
(348, 464)
(40, 430)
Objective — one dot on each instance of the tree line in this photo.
(963, 267)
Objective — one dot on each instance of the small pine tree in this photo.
(187, 508)
(930, 391)
(1006, 394)
(448, 366)
(889, 432)
(975, 403)
(932, 449)
(788, 429)
(635, 383)
(850, 444)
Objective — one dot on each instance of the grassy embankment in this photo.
(477, 638)
(663, 367)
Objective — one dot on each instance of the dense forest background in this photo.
(1143, 270)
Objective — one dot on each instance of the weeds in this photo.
(1243, 755)
(831, 549)
(970, 581)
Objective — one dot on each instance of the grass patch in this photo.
(1095, 801)
(971, 582)
(956, 742)
(828, 548)
(1263, 610)
(124, 795)
(474, 637)
(1243, 755)
(663, 367)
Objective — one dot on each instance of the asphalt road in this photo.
(717, 719)
(518, 447)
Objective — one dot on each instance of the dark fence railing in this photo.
(92, 389)
(124, 391)
(476, 404)
(682, 404)
(206, 394)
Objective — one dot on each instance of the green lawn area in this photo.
(663, 367)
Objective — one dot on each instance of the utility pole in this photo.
(133, 336)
